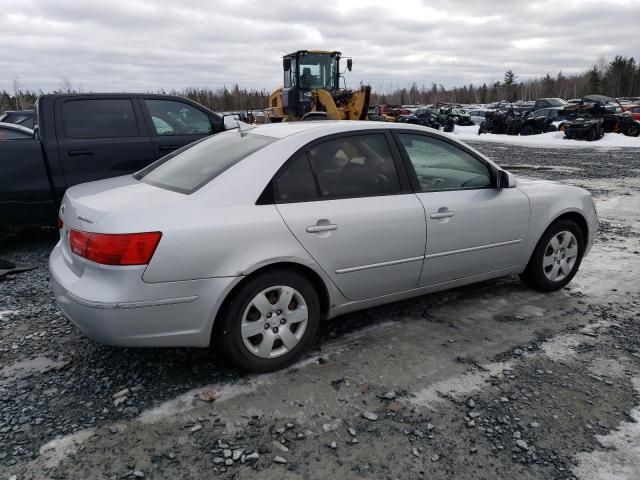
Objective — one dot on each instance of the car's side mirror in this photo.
(506, 179)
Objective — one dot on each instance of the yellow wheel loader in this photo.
(312, 90)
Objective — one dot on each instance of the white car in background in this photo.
(477, 115)
(249, 238)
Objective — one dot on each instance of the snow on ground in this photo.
(553, 139)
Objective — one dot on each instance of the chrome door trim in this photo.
(472, 249)
(378, 265)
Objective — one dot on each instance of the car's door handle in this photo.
(167, 148)
(441, 215)
(322, 228)
(81, 151)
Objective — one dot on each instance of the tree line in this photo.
(619, 77)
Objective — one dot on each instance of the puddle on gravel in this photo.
(621, 459)
(29, 366)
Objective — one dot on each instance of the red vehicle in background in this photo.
(634, 110)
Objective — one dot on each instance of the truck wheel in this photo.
(633, 130)
(551, 128)
(556, 258)
(591, 136)
(269, 322)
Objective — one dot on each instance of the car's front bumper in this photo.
(116, 307)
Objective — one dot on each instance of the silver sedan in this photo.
(248, 239)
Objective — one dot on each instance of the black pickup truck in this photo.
(84, 137)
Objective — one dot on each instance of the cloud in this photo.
(142, 45)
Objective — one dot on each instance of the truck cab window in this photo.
(172, 117)
(99, 118)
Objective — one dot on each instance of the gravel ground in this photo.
(487, 381)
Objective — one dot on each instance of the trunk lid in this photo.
(121, 199)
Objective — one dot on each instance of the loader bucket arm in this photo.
(326, 100)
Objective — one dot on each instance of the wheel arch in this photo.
(309, 273)
(577, 218)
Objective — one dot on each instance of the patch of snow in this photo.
(25, 367)
(59, 448)
(551, 139)
(457, 386)
(6, 313)
(621, 459)
(191, 399)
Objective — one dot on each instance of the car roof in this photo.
(16, 127)
(327, 127)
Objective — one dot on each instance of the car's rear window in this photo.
(195, 165)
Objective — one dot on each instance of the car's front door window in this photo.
(440, 165)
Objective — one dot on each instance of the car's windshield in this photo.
(195, 165)
(556, 102)
(318, 71)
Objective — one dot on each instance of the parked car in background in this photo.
(548, 102)
(250, 238)
(554, 114)
(633, 109)
(26, 118)
(477, 115)
(11, 131)
(85, 137)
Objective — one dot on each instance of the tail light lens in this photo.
(115, 249)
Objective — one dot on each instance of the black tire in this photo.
(633, 130)
(551, 128)
(534, 275)
(227, 332)
(593, 134)
(527, 130)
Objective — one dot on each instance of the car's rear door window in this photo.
(354, 166)
(440, 165)
(99, 118)
(296, 182)
(193, 166)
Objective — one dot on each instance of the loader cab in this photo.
(306, 71)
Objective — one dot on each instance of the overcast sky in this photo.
(146, 45)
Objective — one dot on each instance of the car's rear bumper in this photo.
(119, 309)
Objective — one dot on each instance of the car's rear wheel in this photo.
(556, 258)
(270, 321)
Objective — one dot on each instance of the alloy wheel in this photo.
(560, 256)
(274, 321)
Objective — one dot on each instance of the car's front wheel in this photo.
(556, 258)
(270, 321)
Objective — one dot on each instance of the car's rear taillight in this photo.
(115, 249)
